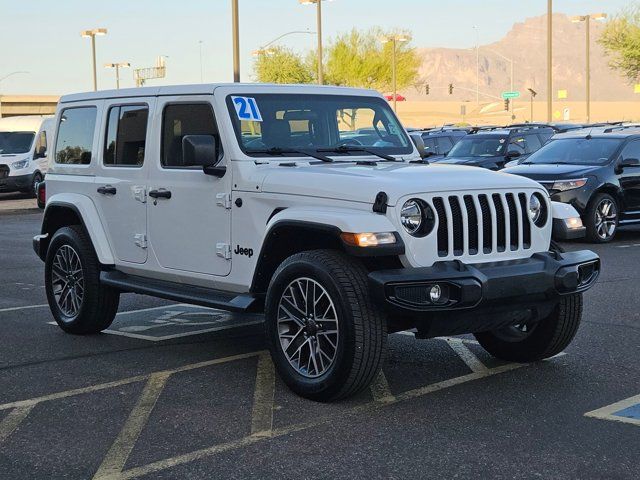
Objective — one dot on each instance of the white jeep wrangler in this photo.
(310, 204)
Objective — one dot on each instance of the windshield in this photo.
(576, 151)
(277, 123)
(16, 142)
(472, 146)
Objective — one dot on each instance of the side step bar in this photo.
(178, 292)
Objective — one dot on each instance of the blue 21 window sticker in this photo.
(247, 109)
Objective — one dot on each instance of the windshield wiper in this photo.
(353, 148)
(282, 151)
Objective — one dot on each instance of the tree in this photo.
(281, 65)
(621, 40)
(360, 59)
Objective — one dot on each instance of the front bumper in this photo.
(540, 279)
(15, 183)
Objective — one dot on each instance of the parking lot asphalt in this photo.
(173, 391)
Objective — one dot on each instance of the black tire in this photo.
(99, 304)
(33, 189)
(547, 338)
(591, 214)
(361, 343)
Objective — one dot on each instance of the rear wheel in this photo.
(529, 342)
(326, 337)
(78, 302)
(601, 218)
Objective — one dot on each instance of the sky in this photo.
(42, 37)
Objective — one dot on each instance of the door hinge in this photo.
(223, 200)
(140, 194)
(140, 240)
(223, 250)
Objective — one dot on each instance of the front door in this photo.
(122, 176)
(190, 216)
(630, 180)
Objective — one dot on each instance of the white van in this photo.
(23, 152)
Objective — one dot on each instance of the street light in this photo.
(264, 50)
(117, 66)
(92, 34)
(587, 20)
(549, 60)
(394, 39)
(533, 95)
(235, 34)
(318, 4)
(10, 74)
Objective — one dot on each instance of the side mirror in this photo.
(41, 152)
(513, 154)
(417, 140)
(629, 162)
(203, 151)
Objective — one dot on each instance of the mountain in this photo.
(526, 44)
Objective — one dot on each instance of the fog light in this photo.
(572, 223)
(435, 293)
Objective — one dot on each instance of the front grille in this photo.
(474, 224)
(4, 171)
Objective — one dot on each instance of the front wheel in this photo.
(529, 342)
(601, 218)
(327, 338)
(78, 302)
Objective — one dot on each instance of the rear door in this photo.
(630, 179)
(120, 185)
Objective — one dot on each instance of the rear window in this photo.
(75, 135)
(126, 135)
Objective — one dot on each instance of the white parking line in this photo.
(380, 389)
(26, 307)
(467, 356)
(607, 413)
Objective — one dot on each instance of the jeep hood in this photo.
(360, 183)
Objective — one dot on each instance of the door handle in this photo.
(107, 190)
(160, 193)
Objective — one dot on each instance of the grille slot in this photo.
(526, 230)
(475, 224)
(443, 228)
(514, 236)
(472, 223)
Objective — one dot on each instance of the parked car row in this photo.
(595, 168)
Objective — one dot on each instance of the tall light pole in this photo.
(92, 34)
(394, 39)
(511, 63)
(533, 95)
(236, 40)
(264, 49)
(587, 20)
(549, 60)
(117, 66)
(318, 4)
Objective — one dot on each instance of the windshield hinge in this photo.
(223, 200)
(223, 250)
(140, 193)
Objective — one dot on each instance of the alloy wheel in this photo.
(606, 219)
(308, 327)
(67, 281)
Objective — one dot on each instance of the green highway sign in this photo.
(506, 95)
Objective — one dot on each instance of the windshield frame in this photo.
(611, 158)
(407, 150)
(31, 143)
(471, 137)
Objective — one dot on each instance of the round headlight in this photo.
(411, 216)
(538, 210)
(535, 208)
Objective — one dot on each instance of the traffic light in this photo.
(426, 89)
(506, 104)
(451, 89)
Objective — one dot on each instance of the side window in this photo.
(126, 135)
(632, 150)
(75, 135)
(518, 144)
(430, 145)
(533, 143)
(444, 145)
(180, 120)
